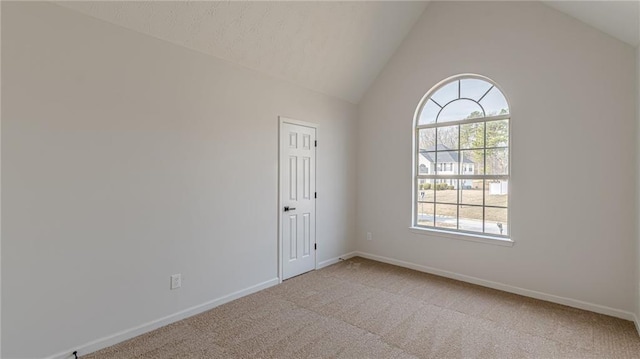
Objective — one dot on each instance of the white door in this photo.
(297, 198)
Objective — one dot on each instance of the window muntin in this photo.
(462, 136)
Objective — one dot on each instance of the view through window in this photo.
(462, 158)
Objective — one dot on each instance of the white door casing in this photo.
(297, 197)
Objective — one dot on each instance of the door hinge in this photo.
(315, 143)
(315, 246)
(315, 194)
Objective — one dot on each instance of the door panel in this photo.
(298, 181)
(291, 237)
(306, 241)
(293, 178)
(306, 175)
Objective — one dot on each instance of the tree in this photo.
(472, 140)
(472, 136)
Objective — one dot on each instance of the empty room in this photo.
(320, 179)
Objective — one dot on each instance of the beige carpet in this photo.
(365, 309)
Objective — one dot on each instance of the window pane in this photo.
(497, 161)
(494, 103)
(473, 161)
(425, 214)
(472, 135)
(447, 137)
(446, 216)
(496, 221)
(466, 169)
(470, 218)
(447, 162)
(427, 159)
(497, 193)
(471, 192)
(428, 113)
(446, 190)
(498, 133)
(460, 110)
(473, 88)
(467, 150)
(427, 139)
(446, 94)
(425, 190)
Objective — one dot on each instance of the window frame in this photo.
(505, 240)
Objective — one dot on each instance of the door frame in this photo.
(281, 121)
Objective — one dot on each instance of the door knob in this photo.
(287, 208)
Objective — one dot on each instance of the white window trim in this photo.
(464, 236)
(455, 233)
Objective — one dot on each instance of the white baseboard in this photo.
(618, 313)
(155, 324)
(335, 260)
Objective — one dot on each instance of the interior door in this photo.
(297, 198)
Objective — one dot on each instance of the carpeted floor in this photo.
(365, 309)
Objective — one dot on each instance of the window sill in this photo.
(500, 241)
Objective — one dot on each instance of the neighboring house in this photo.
(448, 164)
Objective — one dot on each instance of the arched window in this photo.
(462, 133)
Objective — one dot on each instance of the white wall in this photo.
(0, 188)
(127, 159)
(573, 105)
(638, 190)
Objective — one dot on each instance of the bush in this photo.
(424, 186)
(437, 186)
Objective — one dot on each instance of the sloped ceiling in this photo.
(337, 48)
(620, 19)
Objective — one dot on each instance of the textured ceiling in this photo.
(337, 48)
(620, 19)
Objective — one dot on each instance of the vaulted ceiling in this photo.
(337, 48)
(620, 19)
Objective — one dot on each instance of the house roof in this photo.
(445, 155)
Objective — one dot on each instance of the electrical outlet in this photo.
(176, 281)
(368, 236)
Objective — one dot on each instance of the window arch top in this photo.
(461, 98)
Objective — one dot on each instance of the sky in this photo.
(466, 92)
